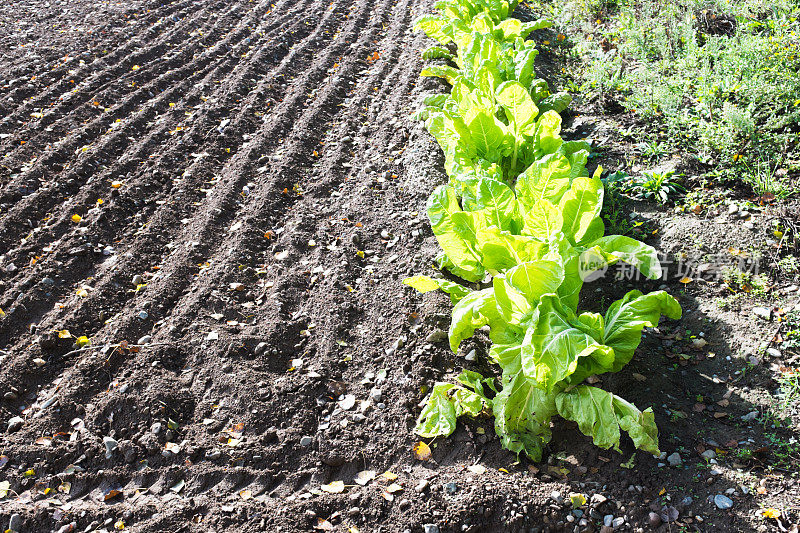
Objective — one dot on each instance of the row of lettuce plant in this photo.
(520, 220)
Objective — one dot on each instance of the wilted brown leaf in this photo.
(112, 493)
(323, 525)
(422, 451)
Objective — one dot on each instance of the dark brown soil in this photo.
(271, 200)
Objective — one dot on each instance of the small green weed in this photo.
(659, 186)
(739, 280)
(791, 331)
(761, 175)
(789, 265)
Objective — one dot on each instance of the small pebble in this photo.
(68, 528)
(436, 335)
(749, 417)
(654, 519)
(762, 312)
(723, 502)
(15, 424)
(598, 499)
(15, 523)
(111, 445)
(773, 352)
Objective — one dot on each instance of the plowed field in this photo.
(223, 197)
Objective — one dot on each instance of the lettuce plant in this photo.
(520, 217)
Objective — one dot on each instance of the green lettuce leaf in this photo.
(534, 279)
(432, 25)
(555, 343)
(522, 414)
(450, 225)
(448, 73)
(543, 220)
(444, 405)
(438, 417)
(601, 415)
(580, 208)
(477, 309)
(558, 102)
(546, 138)
(534, 25)
(436, 52)
(476, 382)
(501, 250)
(545, 179)
(519, 107)
(620, 248)
(626, 318)
(488, 135)
(498, 204)
(524, 65)
(425, 284)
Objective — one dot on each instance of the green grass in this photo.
(714, 79)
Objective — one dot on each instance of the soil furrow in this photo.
(117, 142)
(143, 84)
(61, 96)
(113, 21)
(156, 246)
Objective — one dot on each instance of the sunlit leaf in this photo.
(422, 451)
(335, 487)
